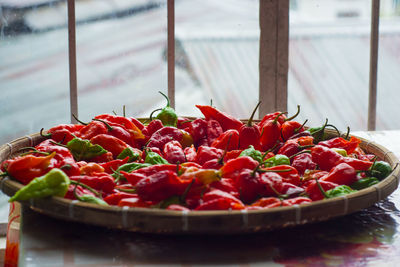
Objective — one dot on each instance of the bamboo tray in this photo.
(210, 222)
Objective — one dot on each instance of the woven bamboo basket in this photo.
(210, 222)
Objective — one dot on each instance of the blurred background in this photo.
(121, 60)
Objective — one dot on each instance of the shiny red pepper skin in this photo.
(135, 176)
(115, 198)
(296, 201)
(111, 166)
(205, 153)
(248, 184)
(124, 122)
(358, 164)
(110, 143)
(190, 153)
(64, 132)
(167, 134)
(226, 185)
(152, 127)
(161, 185)
(216, 193)
(92, 129)
(288, 173)
(102, 182)
(173, 152)
(325, 157)
(272, 116)
(198, 130)
(303, 162)
(121, 133)
(137, 123)
(226, 121)
(341, 174)
(289, 128)
(313, 191)
(234, 166)
(214, 130)
(249, 136)
(267, 202)
(339, 142)
(79, 190)
(231, 136)
(270, 133)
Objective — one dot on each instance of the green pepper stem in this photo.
(81, 122)
(151, 114)
(321, 189)
(59, 144)
(279, 195)
(166, 97)
(76, 183)
(298, 129)
(109, 127)
(123, 111)
(126, 190)
(221, 159)
(277, 117)
(348, 133)
(182, 198)
(334, 127)
(250, 121)
(299, 153)
(295, 115)
(44, 135)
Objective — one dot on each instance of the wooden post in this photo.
(171, 52)
(274, 55)
(373, 65)
(73, 91)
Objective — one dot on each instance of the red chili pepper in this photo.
(231, 136)
(115, 198)
(152, 127)
(79, 190)
(289, 128)
(115, 130)
(233, 154)
(63, 158)
(134, 202)
(63, 133)
(92, 129)
(303, 162)
(111, 166)
(226, 121)
(137, 123)
(205, 153)
(314, 192)
(167, 134)
(341, 174)
(220, 204)
(216, 194)
(110, 143)
(137, 175)
(267, 202)
(249, 134)
(325, 157)
(26, 168)
(358, 164)
(214, 130)
(296, 201)
(161, 185)
(248, 184)
(106, 157)
(270, 133)
(183, 123)
(339, 142)
(288, 173)
(198, 130)
(173, 152)
(90, 168)
(279, 116)
(226, 185)
(123, 122)
(232, 167)
(190, 153)
(102, 182)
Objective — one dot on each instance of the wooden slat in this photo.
(73, 91)
(171, 52)
(274, 49)
(373, 65)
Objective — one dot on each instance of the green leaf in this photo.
(84, 150)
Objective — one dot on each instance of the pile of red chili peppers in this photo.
(211, 163)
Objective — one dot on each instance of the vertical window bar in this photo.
(373, 64)
(273, 60)
(73, 92)
(171, 52)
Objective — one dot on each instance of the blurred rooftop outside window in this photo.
(121, 60)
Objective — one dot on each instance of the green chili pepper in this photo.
(252, 153)
(340, 190)
(153, 158)
(364, 183)
(318, 132)
(53, 183)
(129, 152)
(83, 149)
(91, 199)
(276, 160)
(167, 115)
(380, 169)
